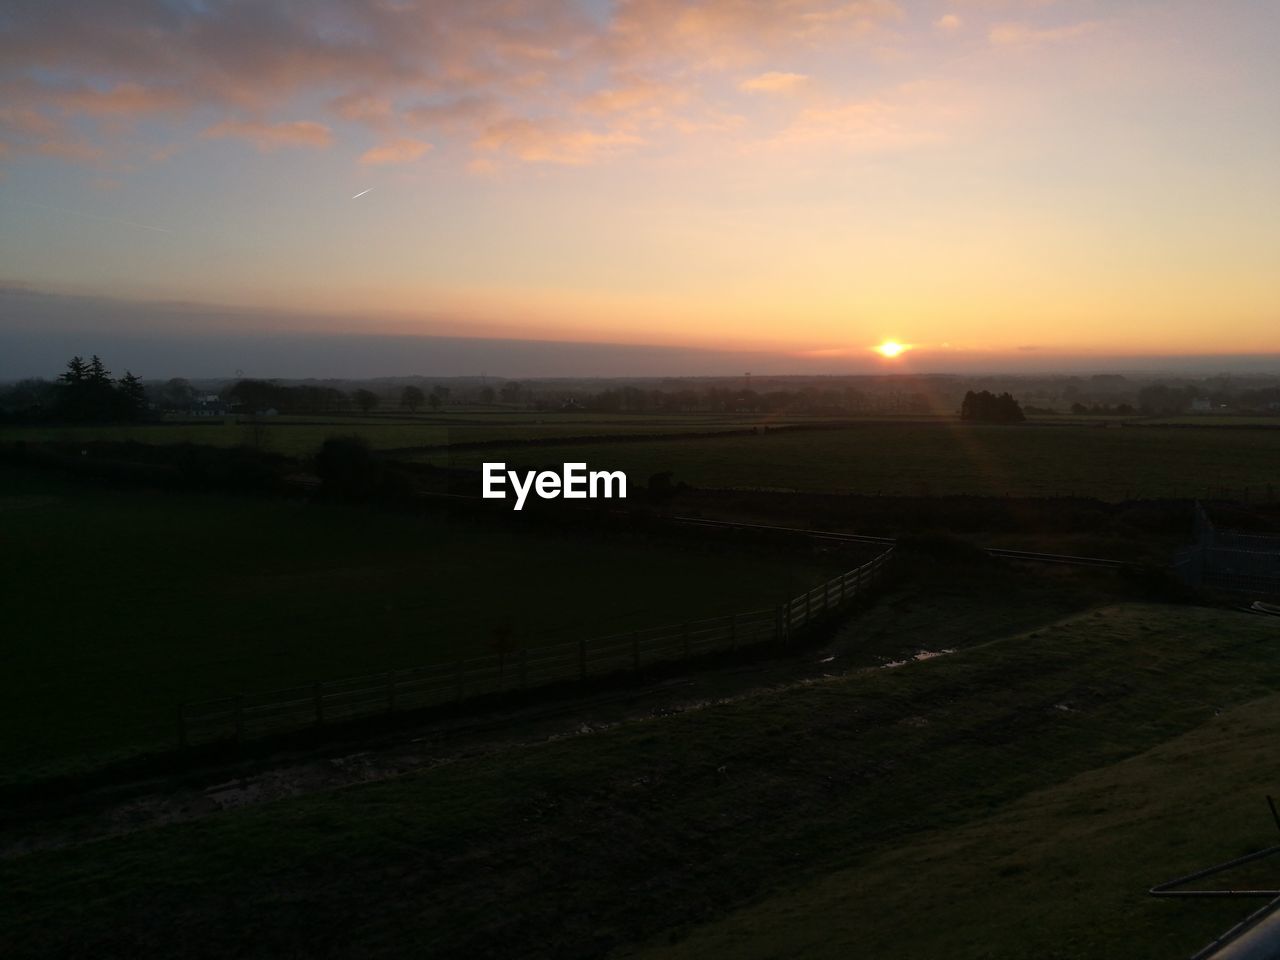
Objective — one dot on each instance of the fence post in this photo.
(318, 697)
(182, 726)
(635, 650)
(582, 659)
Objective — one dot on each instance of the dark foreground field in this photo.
(944, 458)
(122, 603)
(1014, 798)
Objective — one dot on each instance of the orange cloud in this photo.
(774, 82)
(363, 107)
(123, 99)
(271, 136)
(1020, 34)
(634, 95)
(401, 150)
(547, 141)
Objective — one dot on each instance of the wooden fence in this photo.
(334, 701)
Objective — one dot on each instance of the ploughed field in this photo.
(922, 459)
(120, 604)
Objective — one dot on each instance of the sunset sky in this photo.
(966, 177)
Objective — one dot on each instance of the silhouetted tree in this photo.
(366, 400)
(175, 394)
(86, 391)
(131, 397)
(412, 398)
(985, 407)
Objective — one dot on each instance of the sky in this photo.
(1003, 182)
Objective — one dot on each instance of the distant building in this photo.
(1201, 406)
(209, 405)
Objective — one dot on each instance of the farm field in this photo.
(1015, 798)
(302, 436)
(915, 459)
(122, 604)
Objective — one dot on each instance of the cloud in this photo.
(454, 114)
(1024, 35)
(948, 23)
(635, 96)
(860, 126)
(1003, 4)
(123, 99)
(549, 141)
(271, 136)
(521, 74)
(774, 82)
(730, 34)
(27, 131)
(400, 150)
(364, 107)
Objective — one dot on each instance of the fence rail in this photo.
(1230, 560)
(295, 708)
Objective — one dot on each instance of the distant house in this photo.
(209, 405)
(1201, 406)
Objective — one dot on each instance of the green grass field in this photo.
(914, 459)
(1014, 799)
(122, 604)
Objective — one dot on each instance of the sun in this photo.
(891, 348)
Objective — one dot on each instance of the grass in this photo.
(1061, 872)
(1014, 799)
(122, 604)
(302, 436)
(915, 459)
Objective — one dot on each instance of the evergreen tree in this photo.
(131, 398)
(73, 391)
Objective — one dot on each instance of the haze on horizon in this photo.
(996, 184)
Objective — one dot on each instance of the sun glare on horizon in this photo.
(891, 349)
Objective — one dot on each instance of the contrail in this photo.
(361, 194)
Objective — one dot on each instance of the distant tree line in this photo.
(85, 393)
(986, 407)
